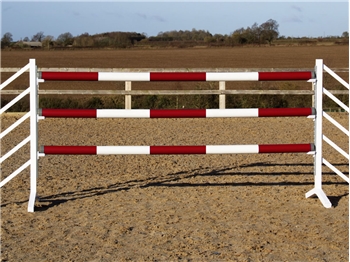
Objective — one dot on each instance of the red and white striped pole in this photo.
(177, 76)
(176, 113)
(182, 150)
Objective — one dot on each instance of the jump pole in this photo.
(177, 150)
(177, 76)
(177, 113)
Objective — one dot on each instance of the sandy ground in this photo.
(243, 207)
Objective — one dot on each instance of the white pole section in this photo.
(123, 150)
(232, 149)
(236, 112)
(115, 113)
(235, 76)
(123, 76)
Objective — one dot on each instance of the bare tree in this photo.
(6, 40)
(38, 37)
(65, 39)
(269, 30)
(48, 41)
(239, 36)
(256, 33)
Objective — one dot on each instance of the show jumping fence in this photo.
(315, 148)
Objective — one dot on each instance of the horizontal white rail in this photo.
(14, 125)
(15, 173)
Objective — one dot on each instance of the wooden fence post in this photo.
(222, 98)
(127, 97)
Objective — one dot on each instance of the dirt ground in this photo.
(241, 207)
(250, 57)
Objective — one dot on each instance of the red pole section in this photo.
(69, 113)
(69, 76)
(278, 112)
(285, 76)
(69, 150)
(177, 113)
(286, 148)
(167, 150)
(175, 76)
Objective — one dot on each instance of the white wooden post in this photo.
(33, 133)
(318, 161)
(222, 98)
(313, 96)
(127, 97)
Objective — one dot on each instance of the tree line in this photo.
(256, 34)
(265, 33)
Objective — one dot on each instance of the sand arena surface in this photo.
(242, 207)
(174, 208)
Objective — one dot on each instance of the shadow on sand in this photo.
(174, 180)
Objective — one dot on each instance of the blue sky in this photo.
(295, 19)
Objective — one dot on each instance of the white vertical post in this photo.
(127, 97)
(317, 190)
(318, 123)
(33, 133)
(222, 98)
(313, 96)
(349, 121)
